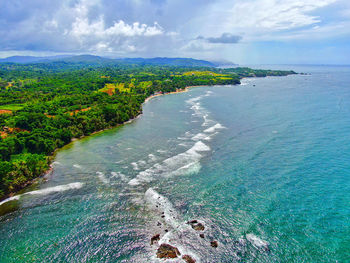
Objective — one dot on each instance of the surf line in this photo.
(50, 190)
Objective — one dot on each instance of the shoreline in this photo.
(51, 157)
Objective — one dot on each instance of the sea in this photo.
(263, 166)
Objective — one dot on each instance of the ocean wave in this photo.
(257, 242)
(208, 93)
(174, 165)
(217, 126)
(10, 199)
(152, 158)
(49, 190)
(135, 166)
(199, 136)
(102, 178)
(120, 175)
(206, 120)
(55, 189)
(77, 166)
(193, 100)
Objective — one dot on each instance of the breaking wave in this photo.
(214, 128)
(102, 178)
(174, 165)
(49, 190)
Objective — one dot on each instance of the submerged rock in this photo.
(258, 242)
(188, 259)
(196, 225)
(155, 238)
(214, 243)
(167, 251)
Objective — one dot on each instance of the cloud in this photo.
(258, 17)
(168, 27)
(72, 26)
(225, 38)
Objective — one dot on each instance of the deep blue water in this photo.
(263, 165)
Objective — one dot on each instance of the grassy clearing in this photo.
(202, 73)
(110, 88)
(12, 107)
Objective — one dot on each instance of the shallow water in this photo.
(263, 165)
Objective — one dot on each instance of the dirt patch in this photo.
(3, 134)
(5, 112)
(76, 111)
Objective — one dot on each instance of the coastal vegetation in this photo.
(43, 106)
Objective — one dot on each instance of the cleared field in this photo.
(110, 88)
(202, 73)
(12, 107)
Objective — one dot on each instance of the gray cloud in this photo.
(166, 27)
(225, 38)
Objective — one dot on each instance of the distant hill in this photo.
(30, 59)
(85, 59)
(169, 61)
(91, 59)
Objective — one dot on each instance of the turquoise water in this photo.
(263, 165)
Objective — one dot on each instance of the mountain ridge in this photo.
(92, 59)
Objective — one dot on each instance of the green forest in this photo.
(43, 106)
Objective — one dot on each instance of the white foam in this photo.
(161, 151)
(118, 174)
(152, 157)
(206, 121)
(257, 242)
(77, 166)
(246, 81)
(208, 93)
(199, 136)
(217, 126)
(102, 178)
(134, 182)
(177, 229)
(199, 147)
(193, 100)
(135, 166)
(175, 165)
(59, 188)
(163, 205)
(190, 168)
(16, 197)
(49, 190)
(141, 163)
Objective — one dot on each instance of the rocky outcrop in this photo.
(167, 251)
(214, 243)
(188, 259)
(196, 225)
(155, 239)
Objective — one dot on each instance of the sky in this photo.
(240, 31)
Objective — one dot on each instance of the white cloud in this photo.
(96, 35)
(259, 17)
(82, 27)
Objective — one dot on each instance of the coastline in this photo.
(51, 157)
(186, 89)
